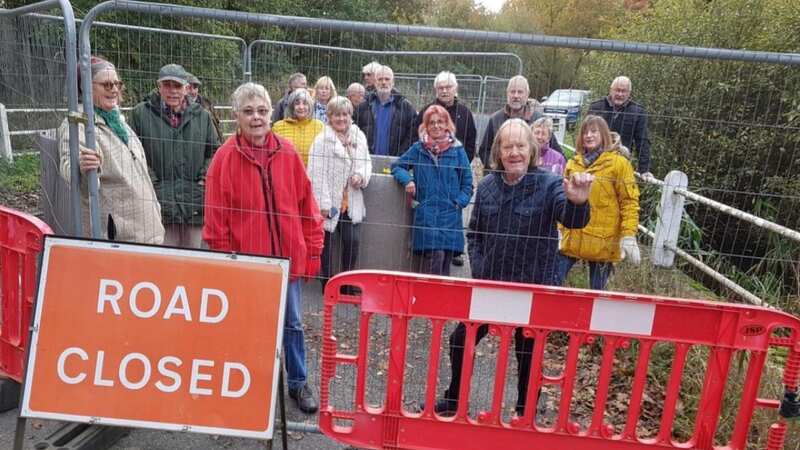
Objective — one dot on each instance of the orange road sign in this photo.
(153, 337)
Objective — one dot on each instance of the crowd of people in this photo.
(291, 182)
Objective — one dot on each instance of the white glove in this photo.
(630, 250)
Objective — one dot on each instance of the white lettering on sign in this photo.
(170, 380)
(179, 296)
(226, 380)
(123, 371)
(197, 376)
(111, 291)
(134, 297)
(98, 371)
(62, 374)
(223, 306)
(175, 376)
(104, 296)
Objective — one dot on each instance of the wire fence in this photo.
(728, 124)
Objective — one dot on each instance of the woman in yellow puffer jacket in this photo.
(299, 127)
(610, 235)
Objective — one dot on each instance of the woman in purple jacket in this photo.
(549, 159)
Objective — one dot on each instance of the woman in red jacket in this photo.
(259, 200)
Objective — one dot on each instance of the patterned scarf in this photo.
(438, 146)
(114, 121)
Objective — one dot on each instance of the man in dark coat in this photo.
(518, 105)
(386, 117)
(627, 118)
(446, 88)
(193, 92)
(179, 140)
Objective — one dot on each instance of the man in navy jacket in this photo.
(627, 118)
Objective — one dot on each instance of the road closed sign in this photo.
(160, 338)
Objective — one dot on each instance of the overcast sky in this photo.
(491, 5)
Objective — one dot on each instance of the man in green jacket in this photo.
(179, 141)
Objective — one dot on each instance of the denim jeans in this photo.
(598, 271)
(294, 350)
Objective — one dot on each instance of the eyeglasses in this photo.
(109, 85)
(249, 112)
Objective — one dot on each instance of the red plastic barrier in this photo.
(21, 238)
(725, 330)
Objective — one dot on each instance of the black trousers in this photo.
(436, 262)
(523, 348)
(350, 235)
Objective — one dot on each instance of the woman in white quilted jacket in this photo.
(339, 167)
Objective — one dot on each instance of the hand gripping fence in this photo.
(21, 239)
(586, 317)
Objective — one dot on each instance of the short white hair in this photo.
(249, 91)
(355, 87)
(384, 69)
(519, 79)
(445, 77)
(371, 67)
(622, 80)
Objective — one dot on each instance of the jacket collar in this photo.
(245, 148)
(624, 105)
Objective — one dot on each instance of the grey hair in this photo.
(339, 104)
(622, 80)
(356, 87)
(384, 69)
(543, 122)
(445, 77)
(495, 160)
(371, 67)
(298, 94)
(519, 79)
(249, 91)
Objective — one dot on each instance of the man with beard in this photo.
(517, 106)
(386, 117)
(627, 118)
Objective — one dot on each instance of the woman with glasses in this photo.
(129, 210)
(259, 200)
(436, 172)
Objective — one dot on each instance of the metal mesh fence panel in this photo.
(731, 126)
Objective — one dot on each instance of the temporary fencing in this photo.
(414, 70)
(727, 102)
(607, 406)
(21, 241)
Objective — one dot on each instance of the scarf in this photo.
(114, 121)
(439, 146)
(591, 157)
(347, 142)
(174, 117)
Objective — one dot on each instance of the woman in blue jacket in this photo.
(513, 236)
(435, 170)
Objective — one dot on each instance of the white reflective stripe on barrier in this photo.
(615, 316)
(501, 305)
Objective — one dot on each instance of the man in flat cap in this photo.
(179, 141)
